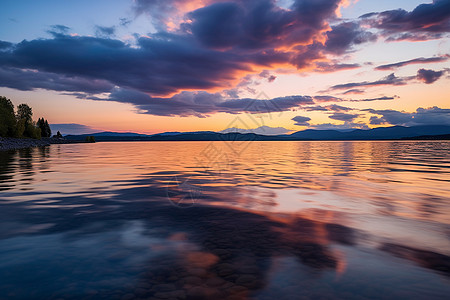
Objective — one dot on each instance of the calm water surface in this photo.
(226, 220)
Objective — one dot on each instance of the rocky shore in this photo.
(15, 143)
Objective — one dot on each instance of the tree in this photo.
(7, 118)
(25, 125)
(25, 112)
(45, 128)
(32, 131)
(48, 130)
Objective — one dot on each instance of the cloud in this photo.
(59, 29)
(315, 108)
(264, 130)
(218, 46)
(259, 24)
(266, 74)
(125, 22)
(71, 128)
(5, 45)
(337, 108)
(301, 121)
(343, 116)
(384, 98)
(202, 104)
(429, 76)
(327, 99)
(420, 60)
(168, 14)
(353, 91)
(159, 65)
(326, 67)
(423, 116)
(388, 80)
(104, 31)
(344, 36)
(426, 76)
(27, 80)
(332, 107)
(425, 22)
(346, 126)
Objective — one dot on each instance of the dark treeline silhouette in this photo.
(45, 128)
(20, 124)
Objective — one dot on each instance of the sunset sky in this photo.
(152, 66)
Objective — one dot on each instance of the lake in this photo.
(226, 220)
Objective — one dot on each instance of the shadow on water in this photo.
(130, 242)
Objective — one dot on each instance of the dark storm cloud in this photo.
(420, 60)
(428, 21)
(343, 36)
(429, 76)
(5, 45)
(301, 121)
(343, 116)
(423, 116)
(259, 24)
(166, 63)
(26, 80)
(202, 104)
(159, 65)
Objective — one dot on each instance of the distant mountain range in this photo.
(382, 133)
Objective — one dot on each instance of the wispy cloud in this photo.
(420, 60)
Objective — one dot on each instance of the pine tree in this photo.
(7, 118)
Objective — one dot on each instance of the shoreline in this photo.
(7, 144)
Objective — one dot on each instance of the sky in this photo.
(153, 66)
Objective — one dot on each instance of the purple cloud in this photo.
(343, 116)
(429, 76)
(202, 104)
(420, 60)
(425, 22)
(301, 121)
(388, 80)
(423, 116)
(345, 35)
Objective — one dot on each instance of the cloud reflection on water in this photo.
(76, 220)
